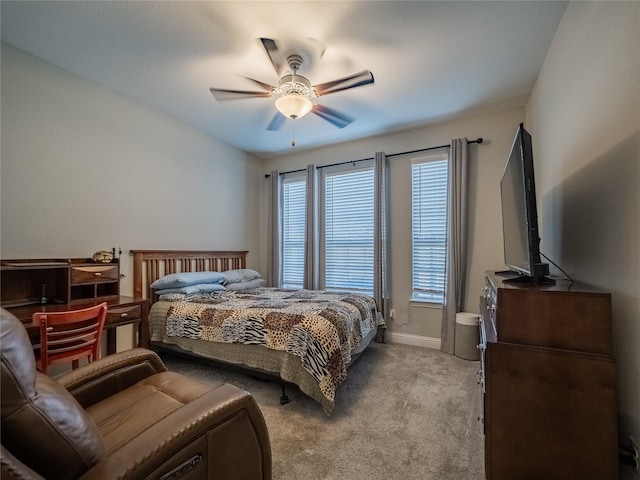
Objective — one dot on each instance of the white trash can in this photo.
(467, 336)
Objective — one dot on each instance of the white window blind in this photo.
(293, 230)
(348, 230)
(429, 226)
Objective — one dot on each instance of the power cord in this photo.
(567, 276)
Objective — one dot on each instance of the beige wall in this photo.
(421, 326)
(584, 116)
(84, 169)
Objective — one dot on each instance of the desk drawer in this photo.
(124, 315)
(94, 273)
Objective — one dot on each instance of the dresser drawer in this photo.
(94, 273)
(123, 315)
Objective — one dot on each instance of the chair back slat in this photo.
(71, 335)
(71, 331)
(68, 346)
(75, 340)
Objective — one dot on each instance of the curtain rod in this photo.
(479, 140)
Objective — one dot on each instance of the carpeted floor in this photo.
(404, 413)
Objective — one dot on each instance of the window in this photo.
(347, 218)
(293, 230)
(429, 177)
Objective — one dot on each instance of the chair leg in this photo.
(74, 364)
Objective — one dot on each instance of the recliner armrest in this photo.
(13, 469)
(109, 375)
(221, 434)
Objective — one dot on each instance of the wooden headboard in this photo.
(149, 265)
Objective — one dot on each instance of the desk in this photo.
(59, 284)
(121, 310)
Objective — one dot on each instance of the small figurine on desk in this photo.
(43, 299)
(102, 256)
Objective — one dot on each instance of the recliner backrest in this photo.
(43, 426)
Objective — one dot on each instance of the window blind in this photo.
(348, 230)
(293, 230)
(429, 227)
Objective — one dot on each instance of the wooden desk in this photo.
(121, 310)
(58, 284)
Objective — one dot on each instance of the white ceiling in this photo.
(431, 60)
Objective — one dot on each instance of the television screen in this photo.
(519, 212)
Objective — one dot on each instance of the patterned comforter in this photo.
(321, 328)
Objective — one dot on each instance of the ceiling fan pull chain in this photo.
(293, 133)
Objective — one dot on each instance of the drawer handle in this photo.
(97, 274)
(124, 315)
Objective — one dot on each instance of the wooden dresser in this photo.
(46, 285)
(548, 382)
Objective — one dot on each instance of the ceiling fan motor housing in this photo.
(296, 85)
(295, 62)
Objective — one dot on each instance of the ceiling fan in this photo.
(294, 92)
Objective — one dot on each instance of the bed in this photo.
(308, 338)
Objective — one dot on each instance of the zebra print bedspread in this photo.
(322, 328)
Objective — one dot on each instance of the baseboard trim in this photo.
(415, 340)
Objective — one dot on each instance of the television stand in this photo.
(507, 273)
(548, 381)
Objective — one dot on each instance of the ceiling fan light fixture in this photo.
(293, 105)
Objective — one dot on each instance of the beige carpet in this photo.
(404, 413)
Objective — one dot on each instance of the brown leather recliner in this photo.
(123, 416)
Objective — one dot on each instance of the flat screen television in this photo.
(520, 215)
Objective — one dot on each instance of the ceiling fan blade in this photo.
(338, 119)
(265, 86)
(356, 80)
(271, 48)
(223, 95)
(276, 122)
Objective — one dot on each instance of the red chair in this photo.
(69, 336)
